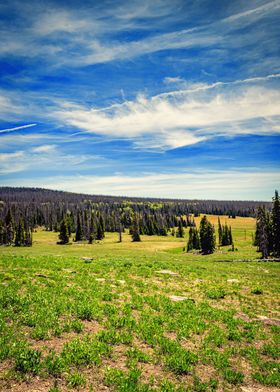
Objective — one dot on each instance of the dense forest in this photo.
(88, 217)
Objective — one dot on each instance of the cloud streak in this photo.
(17, 128)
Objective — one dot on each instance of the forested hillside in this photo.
(89, 216)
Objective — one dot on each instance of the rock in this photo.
(177, 298)
(263, 319)
(233, 281)
(87, 258)
(167, 272)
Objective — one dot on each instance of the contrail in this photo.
(17, 128)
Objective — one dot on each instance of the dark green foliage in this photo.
(9, 228)
(79, 232)
(224, 233)
(275, 218)
(28, 361)
(180, 230)
(100, 231)
(262, 232)
(64, 232)
(135, 229)
(267, 236)
(20, 235)
(194, 239)
(207, 236)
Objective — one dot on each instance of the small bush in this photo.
(216, 294)
(76, 380)
(233, 377)
(28, 361)
(257, 291)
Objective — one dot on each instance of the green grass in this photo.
(66, 322)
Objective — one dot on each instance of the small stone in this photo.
(232, 280)
(177, 298)
(167, 272)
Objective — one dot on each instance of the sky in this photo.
(151, 98)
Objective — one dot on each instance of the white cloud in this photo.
(17, 128)
(45, 158)
(224, 185)
(184, 117)
(86, 37)
(46, 148)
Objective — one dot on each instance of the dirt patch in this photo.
(54, 344)
(92, 327)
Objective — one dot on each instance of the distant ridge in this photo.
(8, 193)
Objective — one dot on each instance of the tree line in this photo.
(267, 236)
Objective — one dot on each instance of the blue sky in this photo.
(142, 98)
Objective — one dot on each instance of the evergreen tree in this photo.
(28, 237)
(9, 228)
(1, 232)
(230, 236)
(262, 240)
(220, 231)
(20, 235)
(120, 230)
(64, 232)
(180, 231)
(190, 241)
(79, 233)
(100, 229)
(275, 225)
(207, 236)
(196, 239)
(135, 229)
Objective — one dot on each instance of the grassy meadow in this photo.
(139, 316)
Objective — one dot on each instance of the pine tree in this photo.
(180, 231)
(262, 240)
(220, 232)
(196, 239)
(1, 232)
(64, 232)
(230, 236)
(9, 228)
(28, 237)
(190, 241)
(20, 235)
(135, 229)
(207, 236)
(100, 229)
(120, 230)
(275, 225)
(79, 233)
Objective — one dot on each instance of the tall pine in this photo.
(207, 236)
(134, 230)
(275, 225)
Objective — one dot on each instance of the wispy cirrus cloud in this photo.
(184, 117)
(89, 38)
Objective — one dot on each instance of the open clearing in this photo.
(139, 316)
